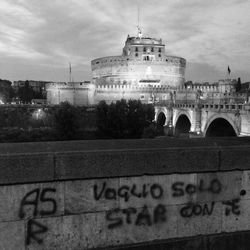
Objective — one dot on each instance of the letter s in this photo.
(177, 188)
(51, 200)
(110, 216)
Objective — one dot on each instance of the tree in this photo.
(66, 120)
(102, 117)
(26, 93)
(238, 85)
(39, 94)
(139, 116)
(6, 91)
(117, 121)
(123, 119)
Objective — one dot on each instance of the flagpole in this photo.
(229, 71)
(69, 72)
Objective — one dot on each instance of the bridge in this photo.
(204, 119)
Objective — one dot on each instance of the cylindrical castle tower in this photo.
(143, 62)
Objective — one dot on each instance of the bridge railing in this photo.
(216, 106)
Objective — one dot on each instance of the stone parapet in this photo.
(136, 194)
(160, 157)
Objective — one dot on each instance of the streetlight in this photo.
(39, 115)
(187, 87)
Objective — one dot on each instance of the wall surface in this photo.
(142, 194)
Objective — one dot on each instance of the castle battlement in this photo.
(133, 88)
(205, 88)
(111, 61)
(67, 85)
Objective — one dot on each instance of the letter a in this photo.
(25, 201)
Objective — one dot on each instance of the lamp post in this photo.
(187, 88)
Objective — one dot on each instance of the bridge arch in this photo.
(180, 113)
(159, 112)
(161, 120)
(182, 125)
(219, 126)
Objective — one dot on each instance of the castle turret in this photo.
(143, 61)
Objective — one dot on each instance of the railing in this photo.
(192, 105)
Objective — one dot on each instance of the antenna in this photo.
(138, 22)
(138, 15)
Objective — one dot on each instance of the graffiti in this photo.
(35, 228)
(136, 216)
(197, 209)
(179, 188)
(191, 209)
(243, 192)
(33, 198)
(125, 192)
(232, 207)
(132, 215)
(139, 204)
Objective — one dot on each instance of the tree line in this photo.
(24, 94)
(121, 120)
(124, 119)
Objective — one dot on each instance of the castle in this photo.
(141, 70)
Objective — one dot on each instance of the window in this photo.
(144, 49)
(152, 49)
(159, 50)
(136, 54)
(136, 49)
(159, 55)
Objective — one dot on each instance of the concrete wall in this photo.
(122, 196)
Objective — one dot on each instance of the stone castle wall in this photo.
(146, 94)
(83, 94)
(129, 70)
(86, 95)
(75, 93)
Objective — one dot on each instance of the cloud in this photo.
(47, 35)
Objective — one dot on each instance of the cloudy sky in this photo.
(38, 38)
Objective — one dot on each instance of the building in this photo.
(37, 86)
(76, 93)
(143, 62)
(143, 71)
